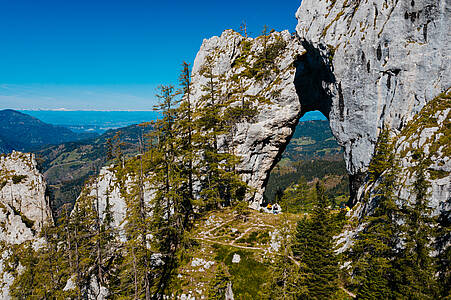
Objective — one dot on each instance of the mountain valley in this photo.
(229, 194)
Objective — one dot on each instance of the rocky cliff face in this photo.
(381, 64)
(365, 65)
(22, 189)
(24, 207)
(261, 70)
(376, 62)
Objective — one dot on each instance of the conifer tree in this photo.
(171, 202)
(243, 29)
(414, 265)
(84, 232)
(375, 247)
(220, 182)
(284, 281)
(187, 144)
(301, 239)
(320, 269)
(136, 271)
(383, 156)
(208, 122)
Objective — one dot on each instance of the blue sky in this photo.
(111, 55)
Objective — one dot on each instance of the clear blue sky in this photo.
(80, 54)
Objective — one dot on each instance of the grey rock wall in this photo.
(261, 141)
(384, 59)
(22, 188)
(24, 207)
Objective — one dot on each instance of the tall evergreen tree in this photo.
(414, 265)
(375, 247)
(221, 184)
(135, 272)
(167, 200)
(313, 246)
(187, 142)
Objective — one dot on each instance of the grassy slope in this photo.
(219, 236)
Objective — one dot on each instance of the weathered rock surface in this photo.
(106, 187)
(379, 62)
(22, 189)
(260, 141)
(376, 64)
(24, 207)
(424, 139)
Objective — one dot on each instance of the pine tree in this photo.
(135, 270)
(414, 265)
(320, 262)
(208, 122)
(220, 183)
(243, 29)
(187, 143)
(285, 279)
(83, 226)
(298, 198)
(375, 247)
(168, 203)
(383, 156)
(301, 239)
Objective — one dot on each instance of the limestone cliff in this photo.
(376, 62)
(23, 189)
(261, 70)
(24, 206)
(365, 65)
(376, 65)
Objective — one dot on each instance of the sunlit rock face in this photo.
(260, 141)
(23, 189)
(381, 64)
(24, 207)
(381, 61)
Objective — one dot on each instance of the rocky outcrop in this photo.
(24, 207)
(381, 65)
(110, 192)
(376, 63)
(23, 189)
(365, 65)
(422, 143)
(237, 63)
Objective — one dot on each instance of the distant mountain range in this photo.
(67, 158)
(67, 166)
(19, 131)
(93, 121)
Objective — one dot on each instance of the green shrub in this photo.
(18, 178)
